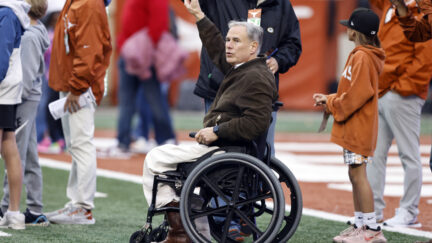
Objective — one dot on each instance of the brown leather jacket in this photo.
(89, 43)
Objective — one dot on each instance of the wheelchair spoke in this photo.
(209, 212)
(225, 229)
(215, 188)
(249, 223)
(238, 184)
(253, 200)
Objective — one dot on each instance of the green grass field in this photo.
(123, 211)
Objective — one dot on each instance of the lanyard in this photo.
(66, 35)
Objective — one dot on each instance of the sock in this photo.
(34, 213)
(358, 219)
(369, 219)
(13, 212)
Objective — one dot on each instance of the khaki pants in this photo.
(165, 158)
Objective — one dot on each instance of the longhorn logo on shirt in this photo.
(347, 73)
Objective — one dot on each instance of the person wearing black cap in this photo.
(355, 111)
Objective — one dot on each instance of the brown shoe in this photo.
(176, 233)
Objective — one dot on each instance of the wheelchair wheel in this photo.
(245, 185)
(293, 202)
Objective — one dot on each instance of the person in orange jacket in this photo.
(415, 29)
(355, 111)
(403, 88)
(80, 56)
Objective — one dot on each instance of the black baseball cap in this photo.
(364, 21)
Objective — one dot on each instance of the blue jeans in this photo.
(151, 93)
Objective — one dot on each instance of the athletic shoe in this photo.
(142, 145)
(352, 230)
(57, 212)
(234, 234)
(366, 235)
(35, 219)
(74, 216)
(403, 218)
(13, 221)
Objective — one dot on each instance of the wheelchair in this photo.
(230, 183)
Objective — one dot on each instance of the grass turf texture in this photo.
(124, 210)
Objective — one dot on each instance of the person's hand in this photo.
(320, 99)
(194, 8)
(72, 103)
(206, 136)
(401, 7)
(272, 64)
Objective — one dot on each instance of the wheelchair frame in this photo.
(272, 174)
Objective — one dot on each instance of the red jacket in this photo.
(355, 105)
(138, 14)
(408, 65)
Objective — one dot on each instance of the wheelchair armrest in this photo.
(277, 105)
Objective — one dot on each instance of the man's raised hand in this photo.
(194, 8)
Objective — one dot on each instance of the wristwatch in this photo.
(216, 129)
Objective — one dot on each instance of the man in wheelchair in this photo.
(240, 113)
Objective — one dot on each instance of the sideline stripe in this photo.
(56, 164)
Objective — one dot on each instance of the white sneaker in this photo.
(74, 216)
(59, 211)
(142, 145)
(13, 221)
(403, 218)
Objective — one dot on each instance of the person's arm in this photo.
(7, 41)
(416, 77)
(415, 30)
(30, 60)
(360, 92)
(289, 48)
(210, 36)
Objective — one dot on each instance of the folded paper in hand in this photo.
(86, 99)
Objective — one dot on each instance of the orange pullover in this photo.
(355, 105)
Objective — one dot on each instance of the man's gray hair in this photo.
(254, 32)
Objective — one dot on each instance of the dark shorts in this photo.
(7, 117)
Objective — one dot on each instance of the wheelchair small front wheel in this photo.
(232, 188)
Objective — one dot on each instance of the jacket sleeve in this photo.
(256, 114)
(214, 43)
(290, 48)
(361, 90)
(159, 20)
(7, 41)
(90, 47)
(416, 30)
(30, 60)
(415, 79)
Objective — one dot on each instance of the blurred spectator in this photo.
(34, 43)
(13, 21)
(80, 56)
(281, 37)
(49, 131)
(403, 87)
(138, 17)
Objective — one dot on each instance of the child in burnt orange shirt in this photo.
(355, 111)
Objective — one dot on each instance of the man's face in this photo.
(238, 47)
